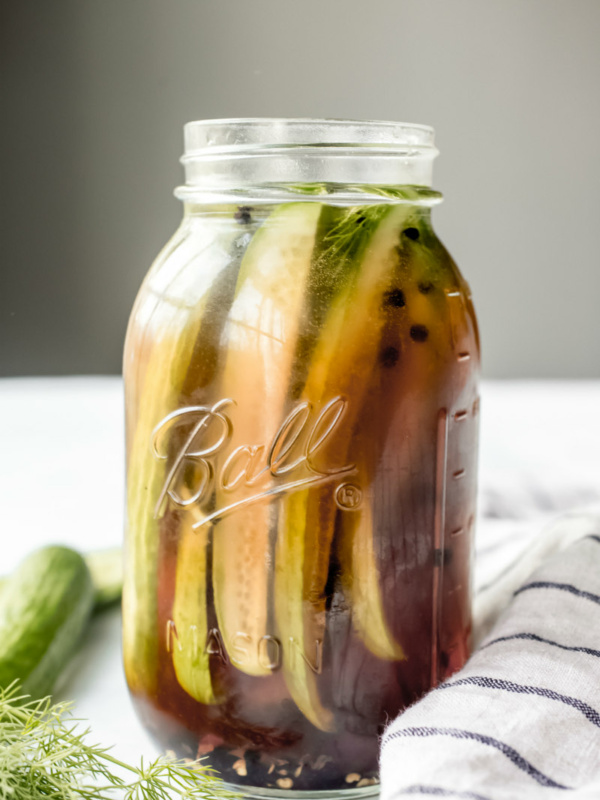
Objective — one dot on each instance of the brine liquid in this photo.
(310, 506)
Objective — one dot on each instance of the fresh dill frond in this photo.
(352, 231)
(344, 243)
(422, 195)
(309, 188)
(44, 754)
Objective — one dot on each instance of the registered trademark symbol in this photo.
(348, 496)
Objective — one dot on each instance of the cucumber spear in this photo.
(342, 362)
(261, 339)
(159, 358)
(400, 451)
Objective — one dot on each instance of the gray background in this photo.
(95, 92)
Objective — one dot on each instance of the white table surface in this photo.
(62, 481)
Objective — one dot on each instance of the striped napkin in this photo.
(522, 718)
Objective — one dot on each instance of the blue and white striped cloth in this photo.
(522, 718)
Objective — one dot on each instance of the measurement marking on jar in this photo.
(461, 415)
(460, 473)
(456, 315)
(464, 356)
(441, 471)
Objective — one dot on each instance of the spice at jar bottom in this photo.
(301, 371)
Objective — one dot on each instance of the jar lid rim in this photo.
(208, 134)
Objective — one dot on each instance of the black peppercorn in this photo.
(389, 356)
(419, 333)
(394, 298)
(243, 215)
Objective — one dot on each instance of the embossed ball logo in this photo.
(232, 474)
(348, 496)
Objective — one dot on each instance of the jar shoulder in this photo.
(285, 268)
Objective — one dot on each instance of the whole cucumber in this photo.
(44, 607)
(106, 568)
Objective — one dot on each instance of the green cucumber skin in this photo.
(44, 608)
(106, 568)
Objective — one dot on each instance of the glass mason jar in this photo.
(301, 372)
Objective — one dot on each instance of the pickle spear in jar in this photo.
(188, 631)
(340, 368)
(162, 360)
(409, 363)
(261, 337)
(405, 442)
